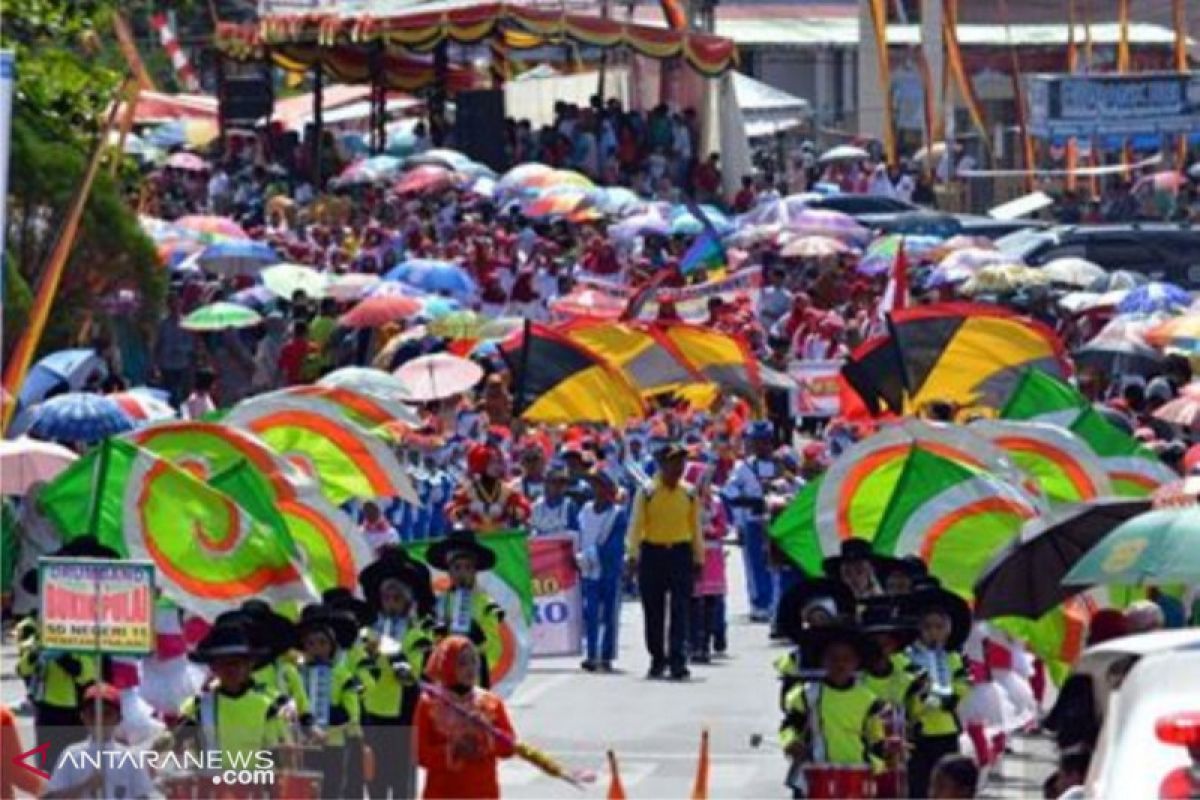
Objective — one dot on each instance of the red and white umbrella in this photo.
(379, 310)
(438, 376)
(25, 462)
(143, 408)
(814, 247)
(588, 304)
(426, 179)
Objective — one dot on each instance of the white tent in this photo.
(766, 109)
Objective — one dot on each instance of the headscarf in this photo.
(443, 663)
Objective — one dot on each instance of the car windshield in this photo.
(1022, 244)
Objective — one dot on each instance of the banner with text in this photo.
(691, 302)
(557, 601)
(77, 595)
(818, 393)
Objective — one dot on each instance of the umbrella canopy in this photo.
(351, 286)
(68, 369)
(996, 278)
(823, 222)
(1120, 347)
(559, 201)
(470, 325)
(426, 179)
(188, 162)
(1072, 271)
(284, 280)
(1154, 298)
(1151, 549)
(434, 276)
(183, 132)
(255, 297)
(1179, 331)
(231, 259)
(617, 201)
(588, 304)
(370, 170)
(211, 225)
(973, 258)
(1183, 411)
(143, 407)
(441, 157)
(220, 316)
(438, 376)
(380, 310)
(1025, 578)
(1118, 280)
(560, 381)
(78, 417)
(25, 462)
(843, 152)
(368, 381)
(882, 253)
(814, 247)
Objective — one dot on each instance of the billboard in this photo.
(1144, 104)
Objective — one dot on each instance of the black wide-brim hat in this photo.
(340, 598)
(815, 641)
(789, 615)
(273, 630)
(460, 542)
(228, 639)
(394, 563)
(883, 616)
(79, 547)
(342, 625)
(852, 550)
(935, 598)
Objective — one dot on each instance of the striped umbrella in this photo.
(211, 225)
(1156, 297)
(78, 417)
(823, 222)
(882, 252)
(143, 407)
(559, 201)
(426, 179)
(814, 247)
(351, 286)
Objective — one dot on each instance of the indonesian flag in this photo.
(895, 297)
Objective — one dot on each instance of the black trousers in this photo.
(60, 727)
(927, 751)
(665, 578)
(392, 742)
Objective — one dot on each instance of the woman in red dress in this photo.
(464, 731)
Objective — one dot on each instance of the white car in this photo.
(1149, 745)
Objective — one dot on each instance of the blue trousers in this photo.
(601, 617)
(760, 588)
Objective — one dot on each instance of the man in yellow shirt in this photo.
(666, 548)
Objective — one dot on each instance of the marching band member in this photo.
(745, 491)
(330, 688)
(483, 501)
(465, 609)
(603, 525)
(855, 567)
(232, 715)
(811, 603)
(833, 727)
(944, 622)
(555, 513)
(390, 656)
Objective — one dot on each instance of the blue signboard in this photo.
(1145, 104)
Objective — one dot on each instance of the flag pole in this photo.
(22, 355)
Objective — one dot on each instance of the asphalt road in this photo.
(654, 727)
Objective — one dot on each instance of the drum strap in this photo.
(460, 611)
(812, 692)
(208, 720)
(319, 680)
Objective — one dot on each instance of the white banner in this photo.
(557, 601)
(817, 391)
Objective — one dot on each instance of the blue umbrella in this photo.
(433, 276)
(618, 201)
(78, 417)
(69, 368)
(435, 306)
(237, 258)
(1155, 298)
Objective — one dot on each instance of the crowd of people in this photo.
(888, 672)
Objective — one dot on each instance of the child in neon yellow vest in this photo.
(465, 609)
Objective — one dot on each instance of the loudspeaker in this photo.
(479, 126)
(247, 93)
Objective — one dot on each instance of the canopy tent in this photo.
(343, 41)
(340, 102)
(766, 109)
(153, 107)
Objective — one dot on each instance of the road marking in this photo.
(532, 691)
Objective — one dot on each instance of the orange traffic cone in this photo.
(700, 787)
(616, 790)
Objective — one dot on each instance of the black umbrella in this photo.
(1120, 357)
(1025, 578)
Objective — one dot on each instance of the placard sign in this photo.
(79, 594)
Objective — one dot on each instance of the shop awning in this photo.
(346, 43)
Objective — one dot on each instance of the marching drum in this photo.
(297, 785)
(843, 781)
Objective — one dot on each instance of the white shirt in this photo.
(378, 536)
(594, 529)
(197, 405)
(123, 777)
